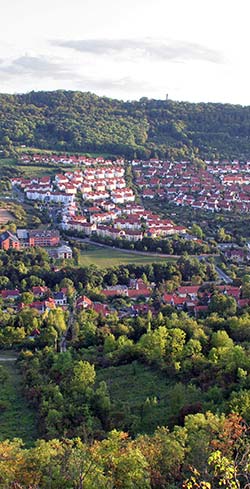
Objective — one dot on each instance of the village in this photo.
(216, 185)
(94, 200)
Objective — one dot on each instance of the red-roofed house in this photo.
(10, 294)
(191, 290)
(83, 302)
(102, 309)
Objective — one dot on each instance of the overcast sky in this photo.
(193, 50)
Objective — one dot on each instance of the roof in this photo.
(10, 293)
(39, 289)
(34, 233)
(138, 292)
(189, 289)
(83, 299)
(58, 296)
(7, 235)
(101, 308)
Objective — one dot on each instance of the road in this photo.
(63, 341)
(135, 252)
(17, 194)
(223, 276)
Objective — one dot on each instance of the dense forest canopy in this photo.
(76, 121)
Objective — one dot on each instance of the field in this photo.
(108, 257)
(9, 167)
(144, 398)
(51, 151)
(17, 419)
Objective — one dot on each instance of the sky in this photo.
(192, 50)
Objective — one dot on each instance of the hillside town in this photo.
(216, 185)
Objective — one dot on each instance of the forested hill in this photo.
(76, 121)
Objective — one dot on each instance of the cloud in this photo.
(126, 84)
(35, 66)
(153, 49)
(49, 70)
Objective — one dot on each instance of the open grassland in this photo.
(17, 419)
(109, 257)
(143, 398)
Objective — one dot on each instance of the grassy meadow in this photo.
(143, 398)
(17, 419)
(109, 257)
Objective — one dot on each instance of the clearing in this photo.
(143, 398)
(17, 419)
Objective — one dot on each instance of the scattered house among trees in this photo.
(236, 255)
(63, 252)
(10, 294)
(60, 299)
(83, 302)
(8, 241)
(39, 290)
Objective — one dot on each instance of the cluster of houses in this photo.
(218, 186)
(131, 222)
(191, 298)
(234, 253)
(110, 208)
(104, 182)
(194, 299)
(46, 300)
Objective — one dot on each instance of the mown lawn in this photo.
(108, 257)
(143, 398)
(17, 419)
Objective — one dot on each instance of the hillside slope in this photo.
(76, 121)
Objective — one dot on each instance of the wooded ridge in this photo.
(83, 122)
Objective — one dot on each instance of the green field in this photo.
(29, 149)
(143, 398)
(108, 257)
(17, 419)
(32, 170)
